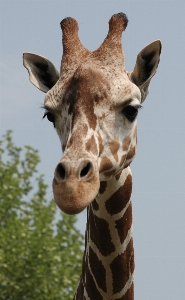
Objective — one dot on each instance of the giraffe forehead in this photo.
(113, 87)
(91, 80)
(84, 90)
(99, 85)
(89, 94)
(90, 83)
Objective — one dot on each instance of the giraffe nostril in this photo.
(61, 171)
(85, 170)
(66, 170)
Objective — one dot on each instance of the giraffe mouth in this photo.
(75, 185)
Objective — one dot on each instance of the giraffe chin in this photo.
(72, 196)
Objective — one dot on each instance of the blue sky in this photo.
(158, 169)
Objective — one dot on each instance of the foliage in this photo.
(40, 255)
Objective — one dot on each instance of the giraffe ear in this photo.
(146, 67)
(42, 72)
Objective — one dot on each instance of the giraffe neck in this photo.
(108, 263)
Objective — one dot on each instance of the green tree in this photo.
(40, 255)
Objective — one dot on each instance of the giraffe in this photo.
(93, 104)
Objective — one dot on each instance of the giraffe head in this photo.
(93, 104)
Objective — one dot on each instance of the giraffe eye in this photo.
(130, 112)
(50, 117)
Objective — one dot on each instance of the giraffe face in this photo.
(95, 117)
(93, 104)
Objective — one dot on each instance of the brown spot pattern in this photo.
(98, 270)
(78, 96)
(76, 138)
(132, 263)
(92, 85)
(126, 165)
(131, 152)
(126, 143)
(99, 233)
(129, 295)
(118, 175)
(84, 264)
(117, 202)
(110, 173)
(124, 224)
(121, 268)
(91, 145)
(80, 290)
(91, 287)
(95, 205)
(89, 112)
(105, 165)
(122, 160)
(103, 186)
(114, 146)
(71, 94)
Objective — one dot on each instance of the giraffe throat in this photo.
(108, 263)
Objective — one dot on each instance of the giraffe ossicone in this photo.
(93, 103)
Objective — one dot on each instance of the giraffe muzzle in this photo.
(75, 184)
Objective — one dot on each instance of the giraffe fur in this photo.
(93, 103)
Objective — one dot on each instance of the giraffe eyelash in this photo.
(50, 117)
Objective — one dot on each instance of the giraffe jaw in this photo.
(72, 195)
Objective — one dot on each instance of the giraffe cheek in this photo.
(105, 165)
(131, 154)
